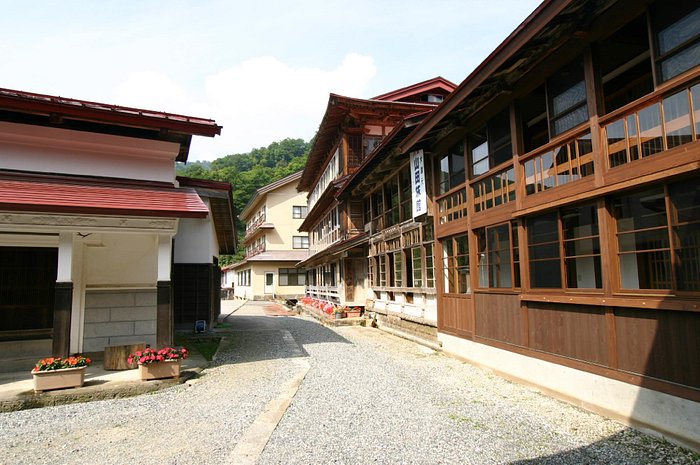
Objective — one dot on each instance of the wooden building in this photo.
(567, 185)
(350, 131)
(397, 198)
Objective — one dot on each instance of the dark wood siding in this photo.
(196, 291)
(455, 315)
(574, 331)
(498, 317)
(659, 344)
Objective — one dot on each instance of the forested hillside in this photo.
(249, 171)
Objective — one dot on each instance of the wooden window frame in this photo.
(513, 250)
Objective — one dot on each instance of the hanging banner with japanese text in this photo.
(419, 197)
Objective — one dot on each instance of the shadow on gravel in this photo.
(257, 338)
(626, 447)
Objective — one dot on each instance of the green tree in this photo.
(248, 172)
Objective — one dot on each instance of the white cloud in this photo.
(260, 101)
(153, 91)
(263, 100)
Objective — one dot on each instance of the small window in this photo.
(300, 242)
(452, 168)
(544, 254)
(644, 245)
(490, 146)
(677, 24)
(456, 265)
(567, 98)
(299, 211)
(495, 257)
(292, 277)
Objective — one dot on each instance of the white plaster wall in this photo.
(423, 306)
(195, 241)
(674, 417)
(61, 151)
(116, 260)
(228, 278)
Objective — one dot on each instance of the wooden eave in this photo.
(82, 115)
(425, 86)
(220, 198)
(373, 167)
(322, 204)
(339, 113)
(554, 24)
(260, 193)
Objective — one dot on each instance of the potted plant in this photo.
(353, 312)
(158, 364)
(59, 373)
(338, 311)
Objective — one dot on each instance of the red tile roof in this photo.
(45, 195)
(84, 109)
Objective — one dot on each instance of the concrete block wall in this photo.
(117, 317)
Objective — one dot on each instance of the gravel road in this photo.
(368, 398)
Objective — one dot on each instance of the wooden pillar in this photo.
(165, 326)
(164, 316)
(63, 296)
(62, 309)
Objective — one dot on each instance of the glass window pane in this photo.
(581, 221)
(548, 170)
(545, 274)
(543, 242)
(686, 198)
(641, 210)
(571, 120)
(680, 62)
(650, 130)
(695, 92)
(617, 143)
(542, 228)
(530, 177)
(644, 240)
(677, 119)
(688, 256)
(679, 32)
(444, 174)
(646, 270)
(584, 273)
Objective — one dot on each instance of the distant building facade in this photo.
(273, 244)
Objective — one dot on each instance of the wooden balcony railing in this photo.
(330, 293)
(452, 206)
(255, 250)
(494, 190)
(559, 163)
(253, 227)
(660, 121)
(330, 238)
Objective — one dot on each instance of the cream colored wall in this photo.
(279, 205)
(121, 260)
(257, 280)
(62, 151)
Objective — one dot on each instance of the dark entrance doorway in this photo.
(27, 288)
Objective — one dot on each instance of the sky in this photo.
(261, 69)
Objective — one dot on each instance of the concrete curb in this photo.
(30, 399)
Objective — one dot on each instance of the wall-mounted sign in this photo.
(418, 195)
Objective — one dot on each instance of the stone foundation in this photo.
(118, 317)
